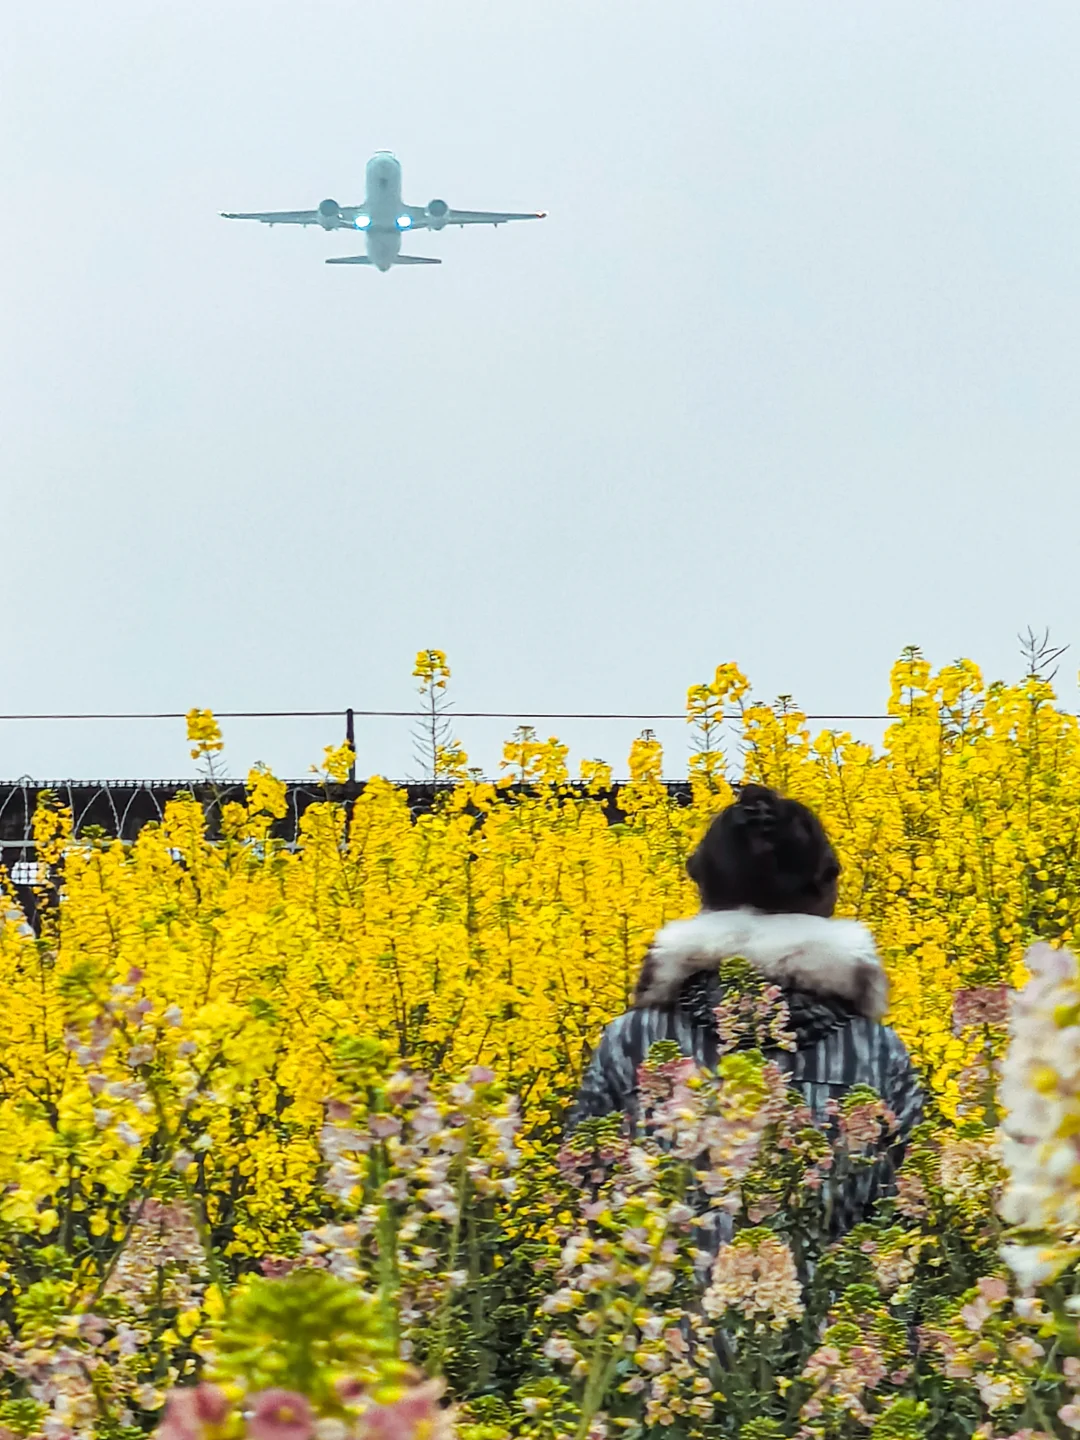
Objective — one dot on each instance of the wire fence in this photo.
(348, 716)
(118, 810)
(120, 807)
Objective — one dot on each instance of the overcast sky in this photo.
(789, 376)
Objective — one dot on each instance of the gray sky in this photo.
(787, 377)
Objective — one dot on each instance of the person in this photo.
(767, 877)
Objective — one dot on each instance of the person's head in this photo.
(766, 853)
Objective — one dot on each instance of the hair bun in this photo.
(757, 809)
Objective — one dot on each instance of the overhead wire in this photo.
(406, 715)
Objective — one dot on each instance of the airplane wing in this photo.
(490, 217)
(421, 220)
(328, 219)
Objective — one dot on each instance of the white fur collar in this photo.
(806, 952)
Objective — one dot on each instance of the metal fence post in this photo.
(350, 736)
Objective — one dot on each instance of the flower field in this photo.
(281, 1129)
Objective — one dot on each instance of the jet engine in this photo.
(437, 212)
(329, 214)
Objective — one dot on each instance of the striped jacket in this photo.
(831, 978)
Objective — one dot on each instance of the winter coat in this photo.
(836, 991)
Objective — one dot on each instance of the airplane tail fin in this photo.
(415, 260)
(349, 260)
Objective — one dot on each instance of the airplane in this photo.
(384, 217)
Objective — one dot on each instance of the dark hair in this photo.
(768, 853)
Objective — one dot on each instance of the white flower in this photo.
(558, 1302)
(128, 1134)
(1027, 1351)
(660, 1281)
(995, 1392)
(559, 1348)
(1040, 1095)
(1030, 1308)
(1032, 1265)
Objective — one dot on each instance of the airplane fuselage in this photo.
(383, 204)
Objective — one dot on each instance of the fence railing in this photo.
(120, 808)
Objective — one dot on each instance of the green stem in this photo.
(601, 1375)
(476, 1307)
(387, 1231)
(438, 1355)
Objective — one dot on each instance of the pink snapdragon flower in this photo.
(280, 1415)
(187, 1410)
(416, 1416)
